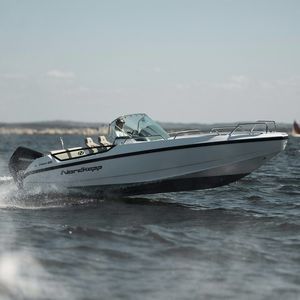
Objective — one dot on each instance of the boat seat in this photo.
(90, 143)
(103, 140)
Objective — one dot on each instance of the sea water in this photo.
(240, 241)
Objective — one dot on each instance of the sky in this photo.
(201, 61)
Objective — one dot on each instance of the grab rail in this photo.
(184, 132)
(217, 129)
(136, 137)
(269, 121)
(239, 125)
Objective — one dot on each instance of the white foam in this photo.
(5, 178)
(8, 191)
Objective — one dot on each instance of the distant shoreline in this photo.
(51, 131)
(86, 129)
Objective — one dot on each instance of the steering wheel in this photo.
(132, 132)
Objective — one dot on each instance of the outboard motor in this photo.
(20, 160)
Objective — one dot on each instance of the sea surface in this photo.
(240, 241)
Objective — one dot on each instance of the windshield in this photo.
(137, 126)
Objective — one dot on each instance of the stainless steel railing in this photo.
(252, 127)
(248, 127)
(183, 132)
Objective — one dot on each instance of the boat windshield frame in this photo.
(137, 126)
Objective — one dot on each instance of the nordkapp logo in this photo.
(83, 169)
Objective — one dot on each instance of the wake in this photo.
(13, 198)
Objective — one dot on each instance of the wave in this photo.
(289, 190)
(13, 199)
(5, 178)
(103, 234)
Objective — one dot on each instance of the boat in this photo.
(139, 157)
(296, 129)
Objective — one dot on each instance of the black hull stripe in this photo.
(209, 144)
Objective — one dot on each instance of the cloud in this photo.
(59, 74)
(13, 76)
(238, 82)
(183, 86)
(243, 83)
(157, 69)
(289, 82)
(79, 90)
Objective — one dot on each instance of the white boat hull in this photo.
(187, 163)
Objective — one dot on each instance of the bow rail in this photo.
(250, 127)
